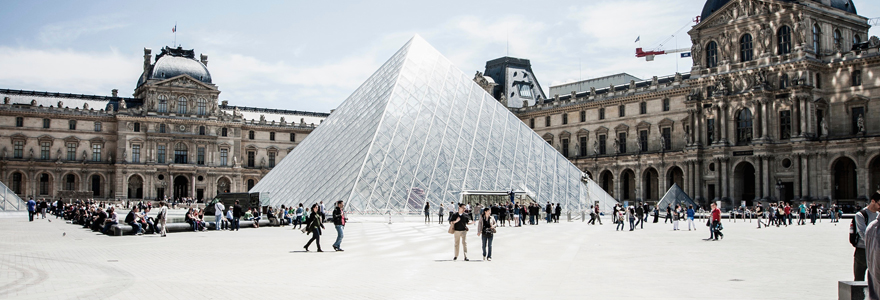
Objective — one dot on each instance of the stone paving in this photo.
(411, 260)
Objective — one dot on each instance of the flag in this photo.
(174, 29)
(637, 39)
(686, 54)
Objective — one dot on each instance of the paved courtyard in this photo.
(411, 260)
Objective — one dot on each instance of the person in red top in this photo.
(787, 214)
(714, 229)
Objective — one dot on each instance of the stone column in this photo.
(698, 131)
(758, 180)
(805, 176)
(764, 119)
(725, 177)
(717, 128)
(804, 116)
(796, 113)
(797, 177)
(765, 169)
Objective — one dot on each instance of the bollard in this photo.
(569, 216)
(583, 217)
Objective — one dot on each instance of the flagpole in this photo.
(175, 35)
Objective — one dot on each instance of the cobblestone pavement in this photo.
(411, 260)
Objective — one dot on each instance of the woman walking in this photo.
(163, 212)
(427, 212)
(690, 217)
(676, 215)
(619, 219)
(298, 218)
(486, 228)
(631, 215)
(314, 225)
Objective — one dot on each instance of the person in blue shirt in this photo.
(32, 209)
(802, 214)
(690, 216)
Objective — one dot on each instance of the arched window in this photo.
(181, 105)
(745, 48)
(69, 182)
(744, 127)
(837, 44)
(180, 154)
(816, 36)
(857, 39)
(783, 40)
(163, 104)
(202, 107)
(712, 55)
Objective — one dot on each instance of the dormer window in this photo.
(525, 91)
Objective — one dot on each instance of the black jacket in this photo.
(337, 216)
(236, 211)
(314, 221)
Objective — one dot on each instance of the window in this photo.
(856, 77)
(250, 184)
(583, 116)
(837, 44)
(223, 132)
(602, 113)
(163, 104)
(745, 48)
(251, 135)
(181, 105)
(16, 182)
(818, 83)
(71, 124)
(200, 155)
(532, 123)
(160, 156)
(293, 137)
(96, 152)
(71, 151)
(565, 147)
(666, 104)
(783, 40)
(820, 116)
(44, 150)
(547, 121)
(621, 142)
(783, 81)
(525, 91)
(712, 55)
(710, 131)
(46, 123)
(583, 146)
(224, 157)
(202, 107)
(98, 126)
(19, 122)
(180, 153)
(69, 182)
(856, 39)
(272, 159)
(816, 43)
(137, 127)
(785, 124)
(251, 157)
(271, 136)
(621, 111)
(161, 128)
(643, 108)
(744, 127)
(136, 153)
(643, 140)
(18, 149)
(666, 135)
(602, 144)
(201, 130)
(857, 112)
(44, 184)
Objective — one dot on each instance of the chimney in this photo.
(204, 59)
(225, 102)
(147, 60)
(114, 92)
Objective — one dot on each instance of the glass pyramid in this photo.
(421, 130)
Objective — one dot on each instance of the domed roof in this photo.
(713, 5)
(175, 62)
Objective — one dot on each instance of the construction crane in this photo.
(649, 55)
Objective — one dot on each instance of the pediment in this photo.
(184, 81)
(643, 124)
(548, 136)
(666, 122)
(565, 134)
(583, 131)
(601, 129)
(621, 127)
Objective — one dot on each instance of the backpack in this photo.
(853, 231)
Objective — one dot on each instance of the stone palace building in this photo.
(781, 103)
(171, 139)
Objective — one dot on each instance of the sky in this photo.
(310, 55)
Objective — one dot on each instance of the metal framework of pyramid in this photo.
(421, 130)
(676, 196)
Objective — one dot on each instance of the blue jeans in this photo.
(137, 226)
(632, 224)
(218, 219)
(338, 242)
(487, 241)
(620, 226)
(107, 227)
(236, 224)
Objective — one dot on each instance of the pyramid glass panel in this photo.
(419, 130)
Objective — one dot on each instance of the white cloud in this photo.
(68, 71)
(68, 31)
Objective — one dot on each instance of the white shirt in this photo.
(218, 208)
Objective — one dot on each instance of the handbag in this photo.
(451, 228)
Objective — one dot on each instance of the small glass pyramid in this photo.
(421, 130)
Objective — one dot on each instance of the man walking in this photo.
(640, 213)
(218, 214)
(862, 219)
(162, 216)
(32, 209)
(715, 221)
(802, 213)
(668, 214)
(236, 216)
(339, 223)
(459, 223)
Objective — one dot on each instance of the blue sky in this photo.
(310, 55)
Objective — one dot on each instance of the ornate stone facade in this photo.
(777, 105)
(171, 139)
